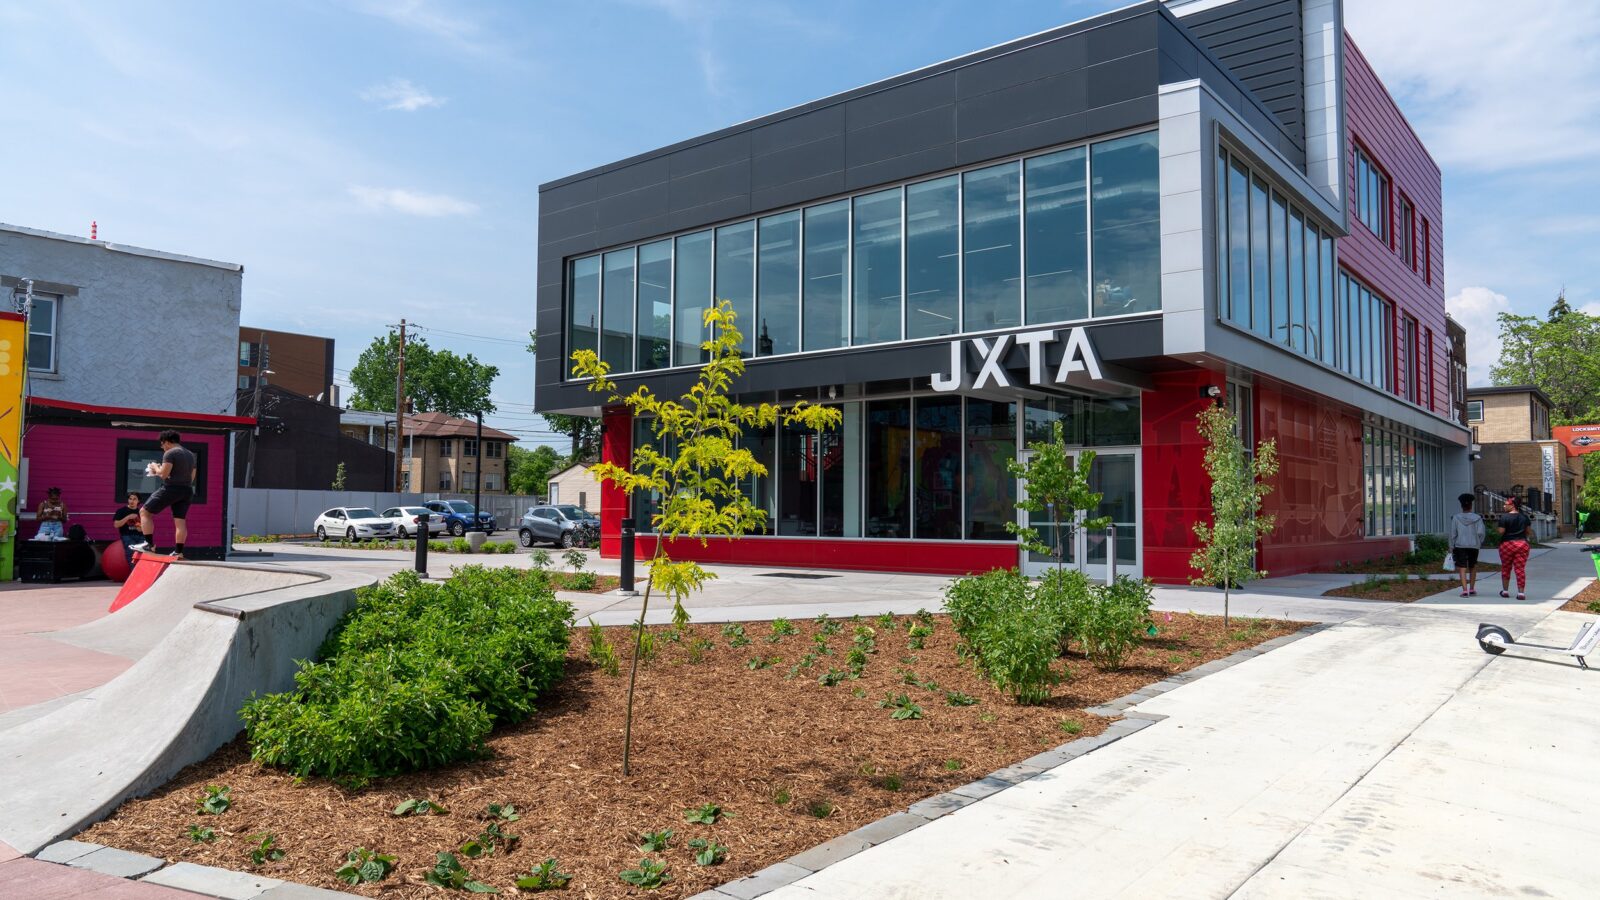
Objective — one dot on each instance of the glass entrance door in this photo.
(1115, 475)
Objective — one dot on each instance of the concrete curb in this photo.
(939, 805)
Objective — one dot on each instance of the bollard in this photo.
(1111, 554)
(422, 544)
(626, 575)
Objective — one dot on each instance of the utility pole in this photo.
(400, 411)
(477, 480)
(255, 409)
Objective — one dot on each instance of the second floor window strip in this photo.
(1372, 196)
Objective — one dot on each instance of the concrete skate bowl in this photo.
(206, 636)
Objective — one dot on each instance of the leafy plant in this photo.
(856, 659)
(925, 617)
(866, 639)
(575, 559)
(917, 635)
(1114, 621)
(544, 877)
(201, 835)
(886, 622)
(362, 866)
(654, 841)
(903, 707)
(414, 807)
(891, 782)
(693, 465)
(820, 809)
(831, 677)
(649, 875)
(601, 651)
(697, 649)
(734, 632)
(645, 643)
(1071, 726)
(216, 800)
(265, 849)
(1054, 484)
(704, 814)
(460, 545)
(708, 852)
(540, 558)
(762, 662)
(953, 765)
(781, 796)
(956, 698)
(826, 626)
(1239, 484)
(447, 872)
(490, 839)
(781, 628)
(820, 641)
(582, 581)
(505, 812)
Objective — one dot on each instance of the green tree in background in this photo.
(1054, 484)
(1559, 355)
(436, 380)
(530, 470)
(1238, 485)
(584, 431)
(338, 477)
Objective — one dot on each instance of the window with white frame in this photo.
(1475, 410)
(469, 480)
(42, 328)
(491, 481)
(445, 448)
(494, 449)
(469, 447)
(444, 481)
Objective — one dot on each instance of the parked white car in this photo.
(353, 523)
(405, 519)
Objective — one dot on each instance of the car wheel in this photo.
(525, 538)
(350, 534)
(403, 534)
(566, 540)
(322, 533)
(457, 529)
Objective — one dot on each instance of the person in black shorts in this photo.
(176, 471)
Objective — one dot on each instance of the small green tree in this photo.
(338, 477)
(699, 478)
(1238, 485)
(1056, 485)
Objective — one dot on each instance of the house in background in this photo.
(107, 372)
(575, 484)
(441, 454)
(1519, 453)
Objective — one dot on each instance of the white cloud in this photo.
(411, 203)
(1491, 87)
(401, 94)
(1477, 309)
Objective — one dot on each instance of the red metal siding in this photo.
(616, 447)
(83, 463)
(1177, 492)
(1373, 121)
(875, 555)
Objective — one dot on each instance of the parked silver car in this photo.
(564, 525)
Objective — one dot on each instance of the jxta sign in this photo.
(1076, 356)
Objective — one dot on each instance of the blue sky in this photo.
(370, 160)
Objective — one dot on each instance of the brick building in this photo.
(442, 455)
(301, 363)
(1519, 453)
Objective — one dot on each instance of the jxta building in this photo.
(1095, 225)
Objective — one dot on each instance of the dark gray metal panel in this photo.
(798, 163)
(709, 155)
(700, 188)
(1247, 33)
(792, 192)
(621, 181)
(1122, 79)
(802, 129)
(1119, 39)
(1060, 130)
(1065, 54)
(902, 168)
(899, 137)
(1023, 104)
(902, 100)
(632, 206)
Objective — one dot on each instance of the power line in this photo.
(476, 337)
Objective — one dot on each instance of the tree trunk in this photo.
(633, 670)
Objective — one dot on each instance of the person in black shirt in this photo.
(126, 520)
(176, 471)
(1514, 524)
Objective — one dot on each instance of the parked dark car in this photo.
(564, 525)
(460, 518)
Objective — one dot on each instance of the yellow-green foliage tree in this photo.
(698, 480)
(1238, 485)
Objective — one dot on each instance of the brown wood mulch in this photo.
(1580, 603)
(793, 763)
(1395, 590)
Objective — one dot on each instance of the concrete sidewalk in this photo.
(1386, 756)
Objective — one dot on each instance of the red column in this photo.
(1177, 492)
(616, 447)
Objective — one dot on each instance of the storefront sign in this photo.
(1077, 356)
(13, 341)
(1549, 469)
(1580, 439)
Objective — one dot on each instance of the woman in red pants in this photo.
(1514, 526)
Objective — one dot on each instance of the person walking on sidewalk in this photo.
(176, 471)
(1514, 524)
(1466, 538)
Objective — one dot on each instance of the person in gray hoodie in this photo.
(1466, 537)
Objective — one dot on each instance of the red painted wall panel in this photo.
(616, 447)
(877, 555)
(1176, 491)
(83, 463)
(1373, 121)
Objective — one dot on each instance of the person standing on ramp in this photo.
(176, 471)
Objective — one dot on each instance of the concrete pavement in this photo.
(1386, 756)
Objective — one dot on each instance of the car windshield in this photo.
(361, 512)
(414, 511)
(573, 512)
(461, 506)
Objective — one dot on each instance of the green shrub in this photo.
(974, 601)
(1014, 634)
(1067, 594)
(416, 675)
(1114, 620)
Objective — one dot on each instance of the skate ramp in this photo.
(239, 636)
(138, 627)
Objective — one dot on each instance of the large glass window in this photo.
(1313, 292)
(888, 459)
(933, 257)
(1280, 270)
(827, 300)
(736, 277)
(1297, 281)
(1239, 243)
(1126, 216)
(991, 248)
(875, 270)
(991, 490)
(1407, 234)
(583, 307)
(1372, 196)
(691, 295)
(42, 327)
(797, 480)
(763, 445)
(778, 286)
(1057, 236)
(936, 470)
(839, 469)
(616, 311)
(655, 306)
(1330, 306)
(1260, 261)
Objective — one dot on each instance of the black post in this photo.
(626, 574)
(422, 533)
(477, 481)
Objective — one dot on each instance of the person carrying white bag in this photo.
(1467, 533)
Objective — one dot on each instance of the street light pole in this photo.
(477, 481)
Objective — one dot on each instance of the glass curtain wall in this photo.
(991, 489)
(888, 458)
(936, 467)
(1055, 237)
(583, 301)
(1404, 484)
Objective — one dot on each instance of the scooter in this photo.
(1494, 640)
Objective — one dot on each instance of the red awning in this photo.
(66, 412)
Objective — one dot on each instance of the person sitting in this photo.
(52, 516)
(126, 520)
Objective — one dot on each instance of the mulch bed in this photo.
(562, 581)
(1580, 603)
(1396, 590)
(794, 763)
